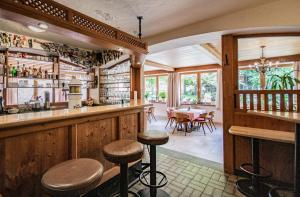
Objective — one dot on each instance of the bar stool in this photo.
(153, 139)
(72, 178)
(123, 152)
(281, 191)
(254, 187)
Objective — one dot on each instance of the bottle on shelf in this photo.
(34, 72)
(26, 72)
(29, 72)
(19, 73)
(40, 73)
(23, 71)
(46, 74)
(14, 72)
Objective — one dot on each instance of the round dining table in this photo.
(193, 113)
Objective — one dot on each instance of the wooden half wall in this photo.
(274, 156)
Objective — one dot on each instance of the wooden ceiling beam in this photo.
(288, 58)
(159, 66)
(212, 51)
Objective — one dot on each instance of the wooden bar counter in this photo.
(31, 143)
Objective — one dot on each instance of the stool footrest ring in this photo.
(275, 192)
(145, 182)
(129, 192)
(248, 168)
(246, 187)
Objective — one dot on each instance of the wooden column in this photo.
(229, 75)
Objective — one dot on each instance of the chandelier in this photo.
(263, 65)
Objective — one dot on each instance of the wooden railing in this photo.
(60, 14)
(267, 100)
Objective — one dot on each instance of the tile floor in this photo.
(189, 176)
(209, 146)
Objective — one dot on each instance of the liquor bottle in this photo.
(29, 72)
(10, 70)
(26, 72)
(46, 74)
(23, 71)
(34, 72)
(14, 72)
(40, 73)
(19, 74)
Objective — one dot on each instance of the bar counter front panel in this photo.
(35, 142)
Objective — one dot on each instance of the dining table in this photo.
(192, 113)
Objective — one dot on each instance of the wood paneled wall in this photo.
(24, 157)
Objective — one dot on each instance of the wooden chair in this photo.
(211, 117)
(182, 119)
(150, 113)
(171, 117)
(202, 120)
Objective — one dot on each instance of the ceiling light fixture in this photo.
(43, 26)
(36, 29)
(263, 65)
(140, 18)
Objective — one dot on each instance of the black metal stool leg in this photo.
(253, 187)
(153, 189)
(124, 180)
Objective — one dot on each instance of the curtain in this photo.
(297, 72)
(219, 89)
(173, 90)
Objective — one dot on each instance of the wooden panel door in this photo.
(25, 158)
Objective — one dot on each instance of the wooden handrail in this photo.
(264, 134)
(267, 100)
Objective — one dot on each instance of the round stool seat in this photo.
(73, 177)
(153, 138)
(123, 151)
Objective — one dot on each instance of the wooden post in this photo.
(229, 75)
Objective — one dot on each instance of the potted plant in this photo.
(147, 94)
(283, 82)
(163, 96)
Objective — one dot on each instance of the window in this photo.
(199, 88)
(188, 89)
(279, 71)
(208, 83)
(162, 88)
(156, 88)
(249, 79)
(150, 88)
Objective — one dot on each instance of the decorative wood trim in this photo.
(229, 75)
(268, 35)
(288, 58)
(212, 51)
(159, 65)
(198, 68)
(62, 16)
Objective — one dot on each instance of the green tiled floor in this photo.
(193, 177)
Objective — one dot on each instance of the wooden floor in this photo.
(209, 146)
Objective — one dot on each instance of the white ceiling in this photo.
(193, 55)
(249, 48)
(159, 15)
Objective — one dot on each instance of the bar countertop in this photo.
(15, 120)
(287, 116)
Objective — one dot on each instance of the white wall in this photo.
(276, 14)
